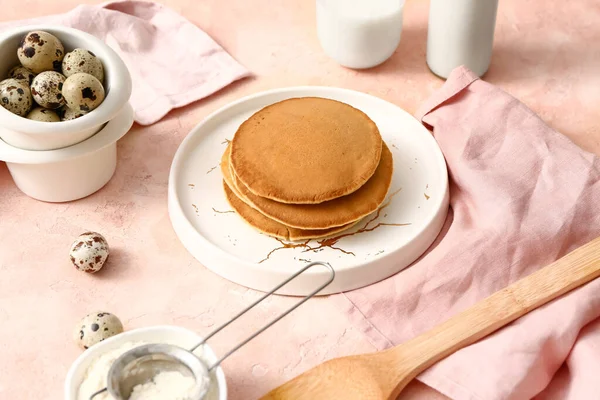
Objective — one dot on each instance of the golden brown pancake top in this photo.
(306, 150)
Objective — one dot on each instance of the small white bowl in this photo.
(157, 334)
(35, 135)
(69, 173)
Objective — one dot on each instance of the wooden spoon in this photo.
(383, 375)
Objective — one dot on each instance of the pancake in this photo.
(306, 150)
(274, 228)
(337, 212)
(262, 222)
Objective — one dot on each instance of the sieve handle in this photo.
(261, 330)
(98, 392)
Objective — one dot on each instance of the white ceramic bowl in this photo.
(34, 135)
(157, 334)
(69, 173)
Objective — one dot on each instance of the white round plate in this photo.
(224, 243)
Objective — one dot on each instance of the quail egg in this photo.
(89, 252)
(15, 96)
(41, 51)
(95, 327)
(46, 89)
(83, 92)
(66, 114)
(43, 114)
(21, 73)
(81, 60)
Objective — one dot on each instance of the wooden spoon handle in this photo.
(571, 271)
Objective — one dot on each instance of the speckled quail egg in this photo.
(43, 115)
(89, 252)
(21, 73)
(66, 114)
(46, 89)
(81, 60)
(83, 92)
(96, 327)
(41, 51)
(15, 96)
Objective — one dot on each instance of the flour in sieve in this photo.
(168, 385)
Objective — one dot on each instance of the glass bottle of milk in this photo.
(359, 33)
(460, 32)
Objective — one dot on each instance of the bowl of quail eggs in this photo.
(58, 87)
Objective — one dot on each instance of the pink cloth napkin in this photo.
(172, 62)
(522, 195)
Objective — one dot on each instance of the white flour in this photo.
(171, 385)
(164, 386)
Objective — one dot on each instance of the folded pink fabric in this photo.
(522, 195)
(172, 62)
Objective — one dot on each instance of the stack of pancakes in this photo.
(306, 168)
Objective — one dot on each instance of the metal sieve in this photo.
(143, 363)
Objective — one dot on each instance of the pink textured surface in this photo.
(545, 54)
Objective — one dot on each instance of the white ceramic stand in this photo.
(72, 172)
